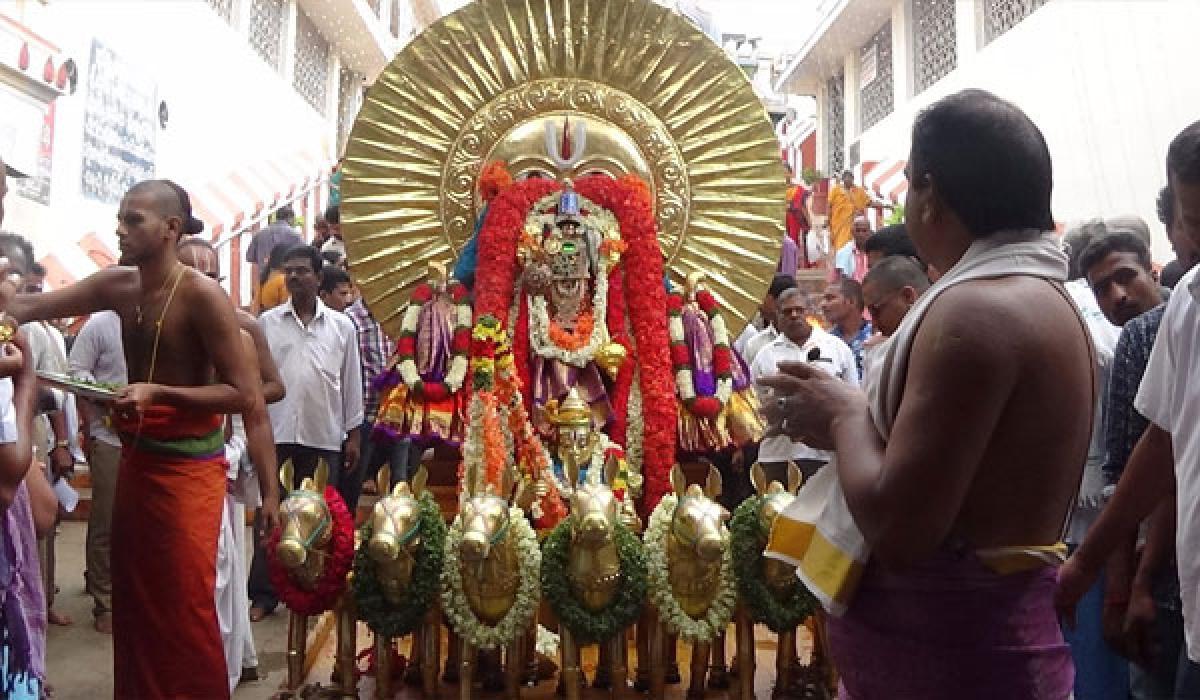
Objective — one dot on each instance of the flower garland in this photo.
(405, 360)
(383, 617)
(624, 608)
(631, 202)
(681, 357)
(618, 330)
(454, 598)
(747, 539)
(720, 611)
(629, 198)
(332, 581)
(540, 325)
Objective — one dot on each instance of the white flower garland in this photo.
(529, 592)
(720, 612)
(539, 327)
(635, 429)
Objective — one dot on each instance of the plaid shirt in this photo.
(1123, 424)
(374, 348)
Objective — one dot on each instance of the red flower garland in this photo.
(332, 582)
(630, 200)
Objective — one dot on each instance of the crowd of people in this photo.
(982, 396)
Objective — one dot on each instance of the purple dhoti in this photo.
(950, 628)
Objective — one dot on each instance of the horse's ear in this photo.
(383, 480)
(612, 467)
(287, 476)
(322, 475)
(678, 481)
(795, 477)
(418, 481)
(571, 471)
(712, 485)
(758, 477)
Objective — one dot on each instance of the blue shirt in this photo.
(1123, 424)
(856, 343)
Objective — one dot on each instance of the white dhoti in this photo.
(233, 604)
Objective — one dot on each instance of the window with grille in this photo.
(350, 91)
(875, 77)
(935, 40)
(999, 16)
(223, 8)
(266, 30)
(835, 124)
(311, 75)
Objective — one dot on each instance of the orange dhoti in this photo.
(166, 521)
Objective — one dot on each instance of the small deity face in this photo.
(575, 442)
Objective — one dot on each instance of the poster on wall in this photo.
(119, 125)
(27, 141)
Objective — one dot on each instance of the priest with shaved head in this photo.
(186, 372)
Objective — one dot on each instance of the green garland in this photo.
(626, 605)
(747, 540)
(381, 615)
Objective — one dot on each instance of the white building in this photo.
(1109, 82)
(246, 103)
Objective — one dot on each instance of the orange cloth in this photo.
(166, 520)
(273, 292)
(844, 205)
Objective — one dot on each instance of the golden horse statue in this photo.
(393, 546)
(696, 544)
(594, 572)
(780, 578)
(490, 565)
(303, 550)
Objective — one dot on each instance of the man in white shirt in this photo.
(1169, 397)
(753, 343)
(798, 342)
(316, 350)
(99, 356)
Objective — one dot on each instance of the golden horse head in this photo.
(395, 530)
(307, 523)
(696, 542)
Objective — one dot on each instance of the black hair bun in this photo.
(192, 225)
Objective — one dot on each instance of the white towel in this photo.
(816, 532)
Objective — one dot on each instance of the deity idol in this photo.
(421, 388)
(566, 286)
(718, 408)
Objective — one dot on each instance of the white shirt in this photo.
(321, 374)
(760, 340)
(748, 332)
(1104, 339)
(1169, 397)
(98, 355)
(335, 245)
(836, 358)
(8, 413)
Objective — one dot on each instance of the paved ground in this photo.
(79, 659)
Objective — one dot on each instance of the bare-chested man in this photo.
(187, 369)
(959, 474)
(250, 435)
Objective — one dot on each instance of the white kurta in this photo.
(233, 602)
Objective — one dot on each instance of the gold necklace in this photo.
(137, 308)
